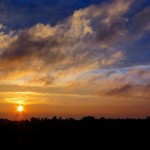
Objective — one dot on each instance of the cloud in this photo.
(5, 39)
(118, 56)
(84, 41)
(66, 55)
(2, 26)
(141, 21)
(137, 30)
(133, 82)
(41, 31)
(43, 80)
(109, 89)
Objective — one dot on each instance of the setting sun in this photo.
(20, 108)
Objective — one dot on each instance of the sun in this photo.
(20, 108)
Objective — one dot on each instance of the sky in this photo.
(74, 58)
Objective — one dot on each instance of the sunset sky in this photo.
(73, 58)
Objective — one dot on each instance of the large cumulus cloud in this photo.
(80, 43)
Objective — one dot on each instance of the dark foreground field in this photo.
(71, 134)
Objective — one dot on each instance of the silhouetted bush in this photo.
(40, 133)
